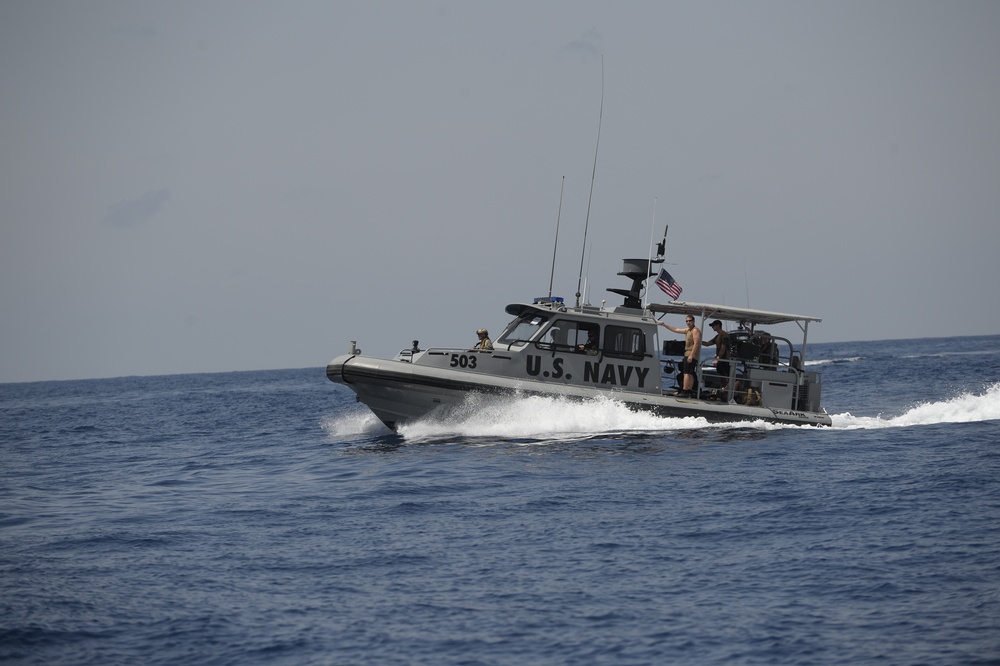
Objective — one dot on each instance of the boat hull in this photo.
(398, 392)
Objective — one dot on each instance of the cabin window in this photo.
(623, 342)
(571, 336)
(522, 329)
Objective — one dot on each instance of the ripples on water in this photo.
(267, 518)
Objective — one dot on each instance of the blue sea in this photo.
(267, 518)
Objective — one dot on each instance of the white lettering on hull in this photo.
(594, 372)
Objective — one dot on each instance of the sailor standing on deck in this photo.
(692, 351)
(721, 344)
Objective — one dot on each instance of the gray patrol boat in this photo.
(581, 352)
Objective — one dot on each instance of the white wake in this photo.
(547, 418)
(964, 408)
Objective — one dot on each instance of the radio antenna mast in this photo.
(746, 282)
(649, 261)
(552, 275)
(593, 176)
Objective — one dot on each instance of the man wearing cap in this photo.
(721, 343)
(484, 340)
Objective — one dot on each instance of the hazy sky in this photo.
(209, 186)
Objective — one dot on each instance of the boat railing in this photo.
(748, 353)
(747, 370)
(718, 386)
(737, 384)
(407, 355)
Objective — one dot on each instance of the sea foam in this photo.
(964, 408)
(552, 418)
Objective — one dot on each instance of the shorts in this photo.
(722, 367)
(687, 367)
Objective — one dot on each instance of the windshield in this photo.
(522, 329)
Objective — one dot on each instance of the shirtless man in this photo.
(692, 351)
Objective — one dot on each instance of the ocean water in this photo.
(267, 518)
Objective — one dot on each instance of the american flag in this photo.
(665, 282)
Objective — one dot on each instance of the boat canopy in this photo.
(745, 315)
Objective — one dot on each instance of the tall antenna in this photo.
(649, 262)
(554, 246)
(746, 282)
(593, 176)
